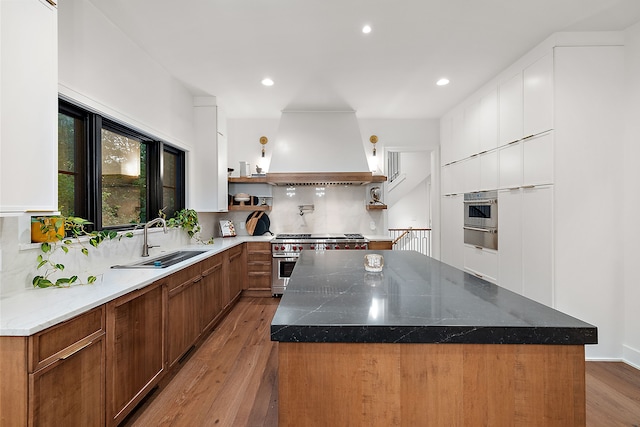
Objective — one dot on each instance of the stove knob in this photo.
(356, 247)
(312, 247)
(346, 246)
(327, 247)
(337, 247)
(299, 248)
(282, 248)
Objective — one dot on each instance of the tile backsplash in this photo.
(336, 209)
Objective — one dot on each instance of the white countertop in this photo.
(36, 309)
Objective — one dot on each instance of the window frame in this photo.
(91, 158)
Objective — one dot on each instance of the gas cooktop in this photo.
(321, 236)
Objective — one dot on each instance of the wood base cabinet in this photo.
(212, 283)
(373, 384)
(259, 266)
(56, 376)
(236, 273)
(135, 348)
(184, 302)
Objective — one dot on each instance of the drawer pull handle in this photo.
(66, 356)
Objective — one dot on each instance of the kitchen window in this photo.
(112, 174)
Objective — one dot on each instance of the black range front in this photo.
(286, 248)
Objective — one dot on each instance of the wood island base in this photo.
(339, 384)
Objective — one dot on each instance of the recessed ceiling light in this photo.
(267, 81)
(442, 82)
(366, 29)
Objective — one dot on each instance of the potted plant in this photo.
(60, 233)
(187, 219)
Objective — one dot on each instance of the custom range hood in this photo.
(319, 148)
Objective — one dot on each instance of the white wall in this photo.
(630, 203)
(104, 70)
(243, 142)
(100, 68)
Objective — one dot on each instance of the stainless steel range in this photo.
(286, 248)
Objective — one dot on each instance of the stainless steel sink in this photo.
(163, 261)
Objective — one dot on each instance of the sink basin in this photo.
(163, 261)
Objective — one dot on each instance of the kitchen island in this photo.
(421, 343)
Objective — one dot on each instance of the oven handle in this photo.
(481, 202)
(484, 230)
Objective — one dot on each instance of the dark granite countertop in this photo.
(416, 299)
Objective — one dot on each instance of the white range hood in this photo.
(312, 145)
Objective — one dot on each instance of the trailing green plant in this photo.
(187, 219)
(68, 232)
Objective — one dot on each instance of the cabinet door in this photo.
(212, 283)
(471, 139)
(537, 244)
(510, 164)
(447, 183)
(511, 110)
(538, 96)
(236, 271)
(70, 391)
(457, 136)
(183, 318)
(258, 265)
(481, 262)
(446, 141)
(488, 126)
(28, 106)
(489, 171)
(135, 349)
(452, 235)
(510, 240)
(537, 157)
(209, 189)
(471, 171)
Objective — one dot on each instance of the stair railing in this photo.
(411, 239)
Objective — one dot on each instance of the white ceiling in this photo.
(318, 57)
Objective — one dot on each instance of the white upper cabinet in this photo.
(510, 117)
(489, 171)
(471, 138)
(446, 141)
(458, 136)
(537, 160)
(510, 160)
(209, 159)
(488, 123)
(538, 96)
(28, 106)
(471, 168)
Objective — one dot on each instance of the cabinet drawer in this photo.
(258, 256)
(58, 341)
(259, 280)
(187, 274)
(481, 262)
(259, 266)
(258, 247)
(211, 264)
(235, 252)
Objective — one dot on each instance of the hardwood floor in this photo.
(231, 380)
(613, 394)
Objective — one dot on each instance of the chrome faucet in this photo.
(145, 246)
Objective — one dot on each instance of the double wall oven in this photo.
(481, 219)
(286, 248)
